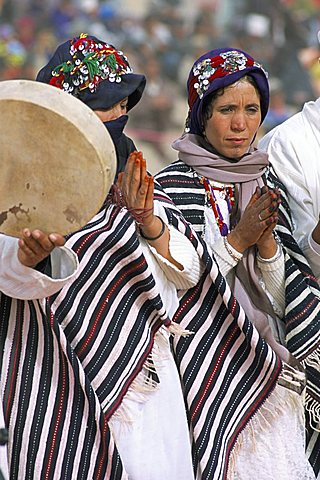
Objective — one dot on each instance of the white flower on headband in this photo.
(220, 66)
(234, 61)
(203, 70)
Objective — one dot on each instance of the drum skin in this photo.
(58, 161)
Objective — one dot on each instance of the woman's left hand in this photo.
(260, 213)
(267, 246)
(137, 188)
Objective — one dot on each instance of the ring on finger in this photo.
(260, 218)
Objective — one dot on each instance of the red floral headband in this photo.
(207, 70)
(91, 63)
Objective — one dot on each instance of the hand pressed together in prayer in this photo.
(257, 223)
(137, 188)
(35, 246)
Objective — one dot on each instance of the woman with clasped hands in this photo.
(228, 191)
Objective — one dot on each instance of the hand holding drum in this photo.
(35, 246)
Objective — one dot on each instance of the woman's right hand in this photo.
(35, 246)
(257, 221)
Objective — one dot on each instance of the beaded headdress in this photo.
(91, 62)
(218, 69)
(93, 71)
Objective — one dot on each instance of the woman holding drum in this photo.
(93, 389)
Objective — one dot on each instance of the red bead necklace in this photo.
(229, 197)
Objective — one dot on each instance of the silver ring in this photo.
(259, 216)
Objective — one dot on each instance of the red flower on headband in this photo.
(57, 82)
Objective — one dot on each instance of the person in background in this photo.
(228, 191)
(279, 110)
(294, 148)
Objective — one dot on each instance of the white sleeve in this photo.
(25, 283)
(183, 252)
(273, 273)
(295, 171)
(226, 259)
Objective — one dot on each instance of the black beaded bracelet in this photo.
(163, 226)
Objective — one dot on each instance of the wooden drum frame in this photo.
(58, 161)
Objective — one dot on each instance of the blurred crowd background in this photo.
(162, 38)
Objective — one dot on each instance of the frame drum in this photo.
(58, 161)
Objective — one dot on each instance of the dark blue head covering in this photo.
(93, 71)
(218, 69)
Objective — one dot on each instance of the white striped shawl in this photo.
(302, 319)
(65, 367)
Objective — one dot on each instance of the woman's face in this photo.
(114, 112)
(235, 119)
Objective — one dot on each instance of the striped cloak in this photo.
(179, 186)
(68, 361)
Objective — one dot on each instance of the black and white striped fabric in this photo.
(302, 318)
(67, 363)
